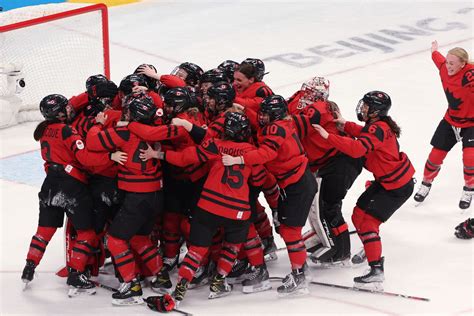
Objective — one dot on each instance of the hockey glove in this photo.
(465, 230)
(104, 90)
(161, 304)
(271, 195)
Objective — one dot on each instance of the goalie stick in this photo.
(112, 289)
(352, 288)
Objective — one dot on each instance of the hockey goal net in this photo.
(48, 49)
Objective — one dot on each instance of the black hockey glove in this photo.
(161, 304)
(104, 90)
(465, 230)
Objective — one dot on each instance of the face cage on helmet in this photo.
(360, 116)
(261, 120)
(314, 93)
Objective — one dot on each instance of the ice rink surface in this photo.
(359, 46)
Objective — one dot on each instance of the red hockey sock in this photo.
(433, 164)
(227, 257)
(294, 244)
(262, 224)
(216, 246)
(468, 160)
(185, 227)
(191, 262)
(253, 247)
(368, 229)
(171, 234)
(82, 248)
(147, 252)
(123, 257)
(39, 242)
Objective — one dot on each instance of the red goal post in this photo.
(54, 48)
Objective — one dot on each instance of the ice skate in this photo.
(466, 198)
(423, 192)
(269, 249)
(161, 283)
(79, 284)
(180, 291)
(28, 273)
(239, 271)
(201, 277)
(257, 281)
(332, 263)
(294, 284)
(219, 287)
(373, 279)
(129, 293)
(170, 263)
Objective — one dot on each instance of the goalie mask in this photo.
(373, 104)
(315, 89)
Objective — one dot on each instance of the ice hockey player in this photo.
(224, 203)
(281, 152)
(457, 125)
(248, 84)
(393, 172)
(336, 172)
(143, 196)
(64, 190)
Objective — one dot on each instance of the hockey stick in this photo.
(352, 288)
(284, 248)
(106, 287)
(112, 289)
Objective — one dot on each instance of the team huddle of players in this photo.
(163, 160)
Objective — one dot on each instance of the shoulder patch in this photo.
(123, 133)
(67, 132)
(275, 130)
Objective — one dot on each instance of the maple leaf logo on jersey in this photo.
(453, 102)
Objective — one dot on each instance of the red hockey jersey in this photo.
(317, 149)
(379, 145)
(253, 95)
(226, 190)
(281, 151)
(62, 146)
(135, 175)
(459, 90)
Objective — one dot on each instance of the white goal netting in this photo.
(42, 52)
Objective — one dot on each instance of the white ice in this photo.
(423, 258)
